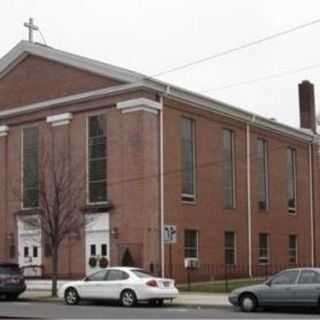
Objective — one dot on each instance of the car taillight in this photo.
(152, 283)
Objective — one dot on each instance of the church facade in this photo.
(233, 188)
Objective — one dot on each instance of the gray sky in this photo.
(150, 36)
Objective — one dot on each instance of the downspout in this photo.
(162, 254)
(311, 204)
(249, 199)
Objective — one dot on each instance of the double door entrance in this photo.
(97, 242)
(29, 249)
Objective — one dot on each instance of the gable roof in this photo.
(24, 48)
(134, 79)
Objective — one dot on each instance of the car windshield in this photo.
(12, 270)
(141, 273)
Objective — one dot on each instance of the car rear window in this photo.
(9, 270)
(141, 273)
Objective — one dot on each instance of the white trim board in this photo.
(139, 104)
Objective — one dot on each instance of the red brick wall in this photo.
(208, 215)
(35, 79)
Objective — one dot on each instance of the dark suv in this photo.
(12, 282)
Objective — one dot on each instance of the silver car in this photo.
(291, 287)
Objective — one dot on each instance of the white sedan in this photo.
(128, 285)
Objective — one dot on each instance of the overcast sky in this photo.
(150, 36)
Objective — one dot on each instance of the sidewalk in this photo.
(184, 299)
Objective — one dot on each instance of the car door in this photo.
(280, 289)
(92, 286)
(115, 281)
(308, 288)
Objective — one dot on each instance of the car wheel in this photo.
(248, 303)
(128, 298)
(12, 296)
(71, 296)
(156, 302)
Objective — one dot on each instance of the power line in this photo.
(236, 49)
(42, 36)
(267, 77)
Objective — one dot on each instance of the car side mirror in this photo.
(269, 283)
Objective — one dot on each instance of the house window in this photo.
(26, 252)
(292, 183)
(97, 162)
(293, 249)
(230, 248)
(228, 168)
(104, 250)
(264, 248)
(262, 174)
(187, 159)
(30, 168)
(93, 251)
(191, 244)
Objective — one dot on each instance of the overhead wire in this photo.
(237, 48)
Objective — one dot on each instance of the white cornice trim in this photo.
(139, 104)
(203, 102)
(85, 96)
(60, 119)
(4, 130)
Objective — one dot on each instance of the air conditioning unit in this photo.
(191, 263)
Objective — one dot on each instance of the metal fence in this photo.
(224, 274)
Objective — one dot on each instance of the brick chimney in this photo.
(307, 106)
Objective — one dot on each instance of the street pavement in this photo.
(57, 309)
(189, 306)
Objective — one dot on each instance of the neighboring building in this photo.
(239, 188)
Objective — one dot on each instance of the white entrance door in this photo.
(29, 249)
(97, 240)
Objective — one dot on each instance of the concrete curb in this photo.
(167, 305)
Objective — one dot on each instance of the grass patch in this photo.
(219, 286)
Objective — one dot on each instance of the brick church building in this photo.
(238, 189)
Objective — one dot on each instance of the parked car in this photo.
(12, 282)
(291, 287)
(125, 284)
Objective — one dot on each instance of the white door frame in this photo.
(29, 236)
(97, 232)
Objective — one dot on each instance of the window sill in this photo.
(191, 202)
(100, 207)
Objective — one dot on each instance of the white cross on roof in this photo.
(31, 28)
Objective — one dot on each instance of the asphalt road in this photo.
(27, 309)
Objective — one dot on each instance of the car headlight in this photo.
(235, 293)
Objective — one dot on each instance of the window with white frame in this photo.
(188, 159)
(228, 169)
(292, 183)
(230, 248)
(293, 249)
(264, 248)
(191, 244)
(262, 174)
(97, 159)
(30, 170)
